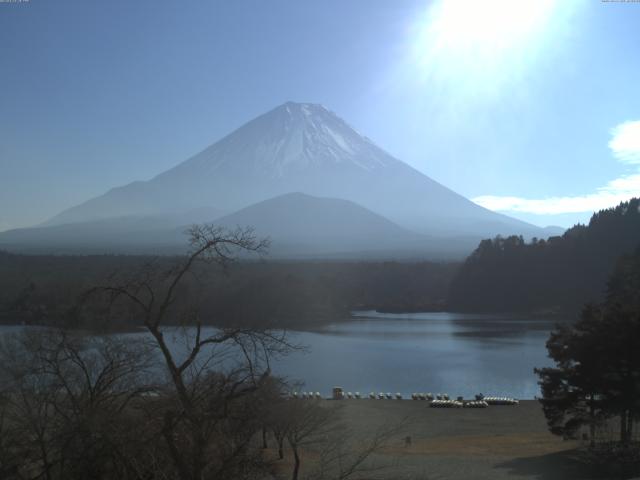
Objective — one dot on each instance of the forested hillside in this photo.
(556, 275)
(43, 289)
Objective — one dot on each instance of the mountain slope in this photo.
(301, 148)
(299, 226)
(132, 234)
(304, 224)
(126, 234)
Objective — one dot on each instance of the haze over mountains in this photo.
(350, 196)
(301, 225)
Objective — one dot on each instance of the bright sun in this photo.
(479, 37)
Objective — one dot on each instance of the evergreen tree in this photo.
(597, 372)
(557, 274)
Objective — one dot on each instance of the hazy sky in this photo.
(531, 108)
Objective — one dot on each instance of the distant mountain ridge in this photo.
(298, 225)
(301, 147)
(303, 225)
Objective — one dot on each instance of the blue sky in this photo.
(532, 110)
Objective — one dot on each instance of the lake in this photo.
(458, 354)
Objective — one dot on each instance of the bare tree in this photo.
(278, 422)
(269, 401)
(79, 406)
(343, 456)
(307, 423)
(314, 426)
(10, 458)
(66, 399)
(206, 422)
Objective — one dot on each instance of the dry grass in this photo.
(496, 445)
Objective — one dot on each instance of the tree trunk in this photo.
(296, 465)
(264, 438)
(623, 427)
(198, 460)
(280, 448)
(592, 424)
(174, 451)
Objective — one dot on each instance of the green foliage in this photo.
(557, 274)
(597, 373)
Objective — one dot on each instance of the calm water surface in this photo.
(458, 354)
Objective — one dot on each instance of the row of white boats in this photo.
(440, 400)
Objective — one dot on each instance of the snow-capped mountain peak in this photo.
(300, 147)
(289, 139)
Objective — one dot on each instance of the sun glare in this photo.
(479, 37)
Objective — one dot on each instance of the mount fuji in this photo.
(294, 148)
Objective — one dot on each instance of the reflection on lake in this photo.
(458, 354)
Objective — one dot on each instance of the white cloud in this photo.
(625, 146)
(625, 143)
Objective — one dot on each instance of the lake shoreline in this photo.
(439, 352)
